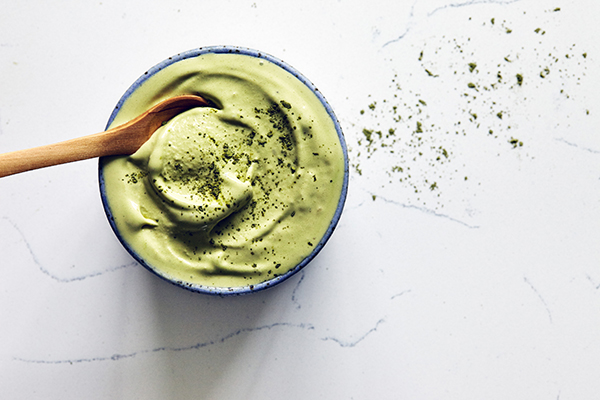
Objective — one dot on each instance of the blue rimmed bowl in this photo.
(225, 291)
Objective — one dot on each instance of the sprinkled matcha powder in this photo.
(454, 94)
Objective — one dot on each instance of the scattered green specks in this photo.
(515, 142)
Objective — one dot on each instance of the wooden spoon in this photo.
(122, 140)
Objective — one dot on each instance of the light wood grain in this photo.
(122, 140)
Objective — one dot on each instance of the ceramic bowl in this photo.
(224, 291)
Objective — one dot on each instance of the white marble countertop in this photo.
(466, 264)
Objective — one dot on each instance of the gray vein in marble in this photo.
(470, 3)
(400, 294)
(540, 297)
(345, 343)
(596, 285)
(411, 16)
(294, 299)
(427, 211)
(451, 5)
(200, 345)
(593, 151)
(53, 276)
(196, 346)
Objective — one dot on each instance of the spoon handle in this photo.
(97, 145)
(121, 140)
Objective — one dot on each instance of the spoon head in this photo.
(126, 139)
(169, 108)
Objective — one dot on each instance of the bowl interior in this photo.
(334, 221)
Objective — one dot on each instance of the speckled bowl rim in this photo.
(238, 290)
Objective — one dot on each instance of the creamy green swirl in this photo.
(233, 195)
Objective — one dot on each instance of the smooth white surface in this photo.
(432, 287)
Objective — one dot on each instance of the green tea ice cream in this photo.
(231, 195)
